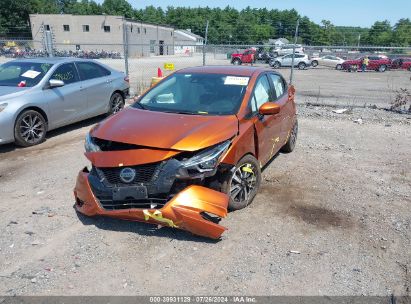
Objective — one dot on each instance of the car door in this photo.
(98, 86)
(327, 61)
(68, 103)
(267, 127)
(280, 97)
(287, 60)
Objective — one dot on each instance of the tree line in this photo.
(226, 25)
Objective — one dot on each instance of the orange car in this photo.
(189, 148)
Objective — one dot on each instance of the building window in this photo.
(145, 31)
(86, 28)
(66, 27)
(152, 46)
(47, 27)
(107, 28)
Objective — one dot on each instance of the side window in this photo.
(278, 83)
(89, 70)
(66, 72)
(261, 93)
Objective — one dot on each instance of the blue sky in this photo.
(348, 12)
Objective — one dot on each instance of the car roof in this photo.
(229, 70)
(52, 60)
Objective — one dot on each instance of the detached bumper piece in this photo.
(195, 209)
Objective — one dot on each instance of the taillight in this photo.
(126, 79)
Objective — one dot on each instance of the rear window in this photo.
(90, 70)
(23, 74)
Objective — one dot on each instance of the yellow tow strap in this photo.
(158, 216)
(247, 169)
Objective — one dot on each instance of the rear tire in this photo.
(276, 65)
(382, 68)
(243, 184)
(30, 128)
(116, 103)
(292, 139)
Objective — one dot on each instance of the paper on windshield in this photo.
(236, 80)
(31, 74)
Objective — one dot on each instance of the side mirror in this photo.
(55, 83)
(269, 108)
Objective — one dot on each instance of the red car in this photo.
(401, 63)
(378, 63)
(249, 56)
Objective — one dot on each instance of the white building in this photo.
(186, 42)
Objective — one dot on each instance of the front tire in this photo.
(30, 128)
(242, 185)
(302, 66)
(338, 67)
(237, 62)
(116, 103)
(314, 63)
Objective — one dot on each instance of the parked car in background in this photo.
(248, 56)
(300, 60)
(223, 125)
(328, 60)
(38, 95)
(378, 63)
(401, 63)
(287, 49)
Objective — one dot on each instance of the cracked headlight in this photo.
(204, 163)
(89, 144)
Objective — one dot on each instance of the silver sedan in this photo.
(38, 95)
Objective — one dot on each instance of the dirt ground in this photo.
(332, 218)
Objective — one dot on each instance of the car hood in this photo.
(11, 92)
(166, 130)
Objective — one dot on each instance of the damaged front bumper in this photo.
(196, 209)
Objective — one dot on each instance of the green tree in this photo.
(118, 7)
(402, 33)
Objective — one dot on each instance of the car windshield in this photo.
(197, 93)
(22, 74)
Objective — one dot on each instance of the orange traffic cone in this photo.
(159, 73)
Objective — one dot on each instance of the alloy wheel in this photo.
(243, 183)
(116, 103)
(32, 128)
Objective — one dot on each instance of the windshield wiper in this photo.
(141, 106)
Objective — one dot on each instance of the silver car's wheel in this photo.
(30, 128)
(338, 67)
(116, 103)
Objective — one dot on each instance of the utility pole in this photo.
(205, 44)
(125, 44)
(295, 42)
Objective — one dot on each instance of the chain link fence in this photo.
(316, 85)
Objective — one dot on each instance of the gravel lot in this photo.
(332, 218)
